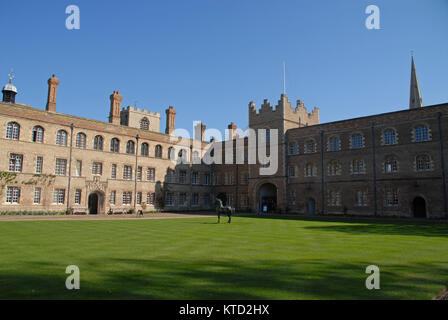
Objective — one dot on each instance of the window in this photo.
(144, 124)
(292, 198)
(98, 143)
(38, 134)
(291, 171)
(113, 173)
(195, 199)
(196, 158)
(81, 140)
(127, 173)
(334, 198)
(334, 144)
(39, 164)
(358, 166)
(293, 148)
(195, 178)
(151, 174)
(390, 164)
(391, 197)
(145, 150)
(139, 173)
(389, 137)
(130, 146)
(59, 196)
(115, 145)
(421, 133)
(183, 156)
(78, 172)
(357, 141)
(112, 197)
(169, 199)
(310, 146)
(245, 179)
(244, 200)
(13, 131)
(97, 168)
(61, 167)
(182, 198)
(15, 162)
(268, 135)
(361, 198)
(158, 151)
(139, 198)
(37, 193)
(127, 197)
(423, 163)
(170, 153)
(150, 197)
(12, 195)
(207, 179)
(334, 168)
(170, 176)
(78, 196)
(61, 138)
(229, 178)
(206, 199)
(182, 177)
(310, 170)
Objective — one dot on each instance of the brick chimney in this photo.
(115, 107)
(199, 131)
(232, 128)
(53, 83)
(170, 120)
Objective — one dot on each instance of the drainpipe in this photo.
(372, 128)
(442, 163)
(135, 175)
(322, 170)
(70, 166)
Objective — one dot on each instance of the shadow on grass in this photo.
(177, 279)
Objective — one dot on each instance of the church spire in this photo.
(415, 99)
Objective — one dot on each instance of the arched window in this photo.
(81, 140)
(13, 131)
(358, 166)
(115, 145)
(38, 134)
(182, 156)
(390, 164)
(389, 137)
(158, 151)
(144, 124)
(170, 153)
(333, 144)
(61, 138)
(357, 141)
(421, 133)
(98, 143)
(334, 168)
(310, 146)
(145, 150)
(130, 146)
(310, 170)
(423, 162)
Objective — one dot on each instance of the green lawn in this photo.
(252, 258)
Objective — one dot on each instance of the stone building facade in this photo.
(390, 164)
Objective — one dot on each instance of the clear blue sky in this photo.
(209, 58)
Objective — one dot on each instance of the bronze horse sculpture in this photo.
(220, 208)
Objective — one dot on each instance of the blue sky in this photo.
(210, 58)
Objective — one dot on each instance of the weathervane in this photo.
(11, 75)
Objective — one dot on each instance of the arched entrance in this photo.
(95, 202)
(267, 197)
(222, 196)
(419, 207)
(310, 206)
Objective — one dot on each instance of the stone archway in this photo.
(419, 207)
(96, 203)
(267, 197)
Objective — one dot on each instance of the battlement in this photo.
(283, 115)
(140, 118)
